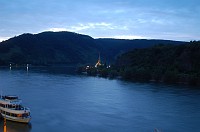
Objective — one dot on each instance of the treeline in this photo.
(57, 48)
(162, 63)
(102, 71)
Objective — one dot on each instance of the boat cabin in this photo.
(11, 109)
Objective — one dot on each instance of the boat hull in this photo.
(16, 119)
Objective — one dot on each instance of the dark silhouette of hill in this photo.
(112, 48)
(48, 48)
(168, 63)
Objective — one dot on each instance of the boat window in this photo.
(2, 105)
(11, 106)
(19, 115)
(25, 114)
(3, 112)
(7, 113)
(11, 114)
(14, 115)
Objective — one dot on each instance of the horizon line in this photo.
(121, 37)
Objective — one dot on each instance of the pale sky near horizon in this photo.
(128, 19)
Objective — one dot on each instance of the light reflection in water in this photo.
(15, 126)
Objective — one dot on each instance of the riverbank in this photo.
(140, 75)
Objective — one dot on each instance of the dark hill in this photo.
(112, 48)
(168, 63)
(49, 48)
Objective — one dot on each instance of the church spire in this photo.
(98, 62)
(99, 57)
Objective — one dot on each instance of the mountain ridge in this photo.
(64, 47)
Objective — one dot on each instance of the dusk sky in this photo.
(128, 19)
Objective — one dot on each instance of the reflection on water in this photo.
(15, 126)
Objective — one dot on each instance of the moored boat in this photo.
(11, 108)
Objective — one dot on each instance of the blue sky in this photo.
(129, 19)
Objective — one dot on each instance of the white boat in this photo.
(11, 108)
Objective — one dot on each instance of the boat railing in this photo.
(21, 117)
(15, 107)
(14, 101)
(20, 108)
(24, 117)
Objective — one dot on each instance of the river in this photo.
(62, 101)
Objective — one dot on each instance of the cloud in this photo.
(4, 38)
(103, 18)
(111, 11)
(81, 26)
(176, 36)
(130, 37)
(101, 26)
(125, 37)
(57, 29)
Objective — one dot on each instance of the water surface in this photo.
(63, 101)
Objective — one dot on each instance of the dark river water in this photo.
(61, 101)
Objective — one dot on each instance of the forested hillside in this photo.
(168, 63)
(52, 48)
(49, 48)
(112, 48)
